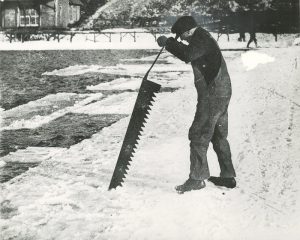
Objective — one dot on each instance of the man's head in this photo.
(182, 25)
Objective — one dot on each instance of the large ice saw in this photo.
(137, 122)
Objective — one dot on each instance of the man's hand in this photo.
(162, 41)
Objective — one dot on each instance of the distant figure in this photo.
(242, 37)
(252, 39)
(241, 22)
(252, 30)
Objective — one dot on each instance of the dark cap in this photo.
(183, 24)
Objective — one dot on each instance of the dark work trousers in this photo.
(211, 125)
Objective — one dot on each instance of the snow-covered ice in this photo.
(132, 83)
(74, 70)
(66, 196)
(136, 70)
(32, 154)
(115, 104)
(38, 120)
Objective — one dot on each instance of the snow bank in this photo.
(251, 59)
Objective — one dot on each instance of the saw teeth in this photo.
(135, 129)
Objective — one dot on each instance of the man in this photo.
(252, 39)
(213, 86)
(252, 29)
(242, 37)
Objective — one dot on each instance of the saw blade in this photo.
(137, 121)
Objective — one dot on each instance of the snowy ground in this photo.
(66, 196)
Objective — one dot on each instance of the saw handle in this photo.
(147, 73)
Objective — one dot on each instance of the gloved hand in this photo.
(161, 41)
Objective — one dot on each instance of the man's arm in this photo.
(186, 53)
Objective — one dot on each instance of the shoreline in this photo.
(142, 41)
(47, 46)
(117, 39)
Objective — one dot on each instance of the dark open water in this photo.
(21, 72)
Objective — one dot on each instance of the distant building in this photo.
(39, 13)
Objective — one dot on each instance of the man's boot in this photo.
(223, 182)
(190, 185)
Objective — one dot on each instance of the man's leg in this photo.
(222, 148)
(255, 41)
(250, 41)
(200, 134)
(199, 167)
(198, 148)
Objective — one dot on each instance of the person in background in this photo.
(242, 37)
(213, 86)
(252, 39)
(252, 29)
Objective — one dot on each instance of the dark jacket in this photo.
(205, 56)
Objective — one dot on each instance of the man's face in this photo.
(187, 36)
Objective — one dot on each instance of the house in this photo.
(74, 10)
(39, 13)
